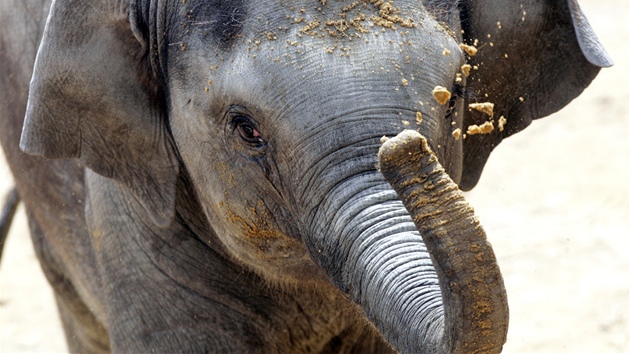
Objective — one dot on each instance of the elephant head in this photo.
(276, 112)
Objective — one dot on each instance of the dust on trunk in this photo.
(473, 294)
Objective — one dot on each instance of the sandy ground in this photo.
(553, 200)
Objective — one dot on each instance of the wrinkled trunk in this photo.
(422, 272)
(474, 299)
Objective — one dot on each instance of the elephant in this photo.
(275, 176)
(6, 216)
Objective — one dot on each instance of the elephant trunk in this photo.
(473, 295)
(413, 256)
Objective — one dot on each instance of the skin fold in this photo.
(203, 176)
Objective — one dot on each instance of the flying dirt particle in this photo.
(484, 107)
(457, 133)
(458, 77)
(405, 82)
(384, 139)
(446, 52)
(405, 123)
(469, 49)
(499, 25)
(441, 94)
(485, 128)
(418, 118)
(466, 69)
(501, 123)
(521, 99)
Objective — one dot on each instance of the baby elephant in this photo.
(212, 180)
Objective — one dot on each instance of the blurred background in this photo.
(553, 200)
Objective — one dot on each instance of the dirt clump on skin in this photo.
(418, 118)
(483, 107)
(360, 15)
(485, 128)
(469, 49)
(466, 69)
(441, 94)
(457, 133)
(501, 123)
(343, 21)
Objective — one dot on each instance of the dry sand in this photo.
(553, 200)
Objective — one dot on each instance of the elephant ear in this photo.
(533, 58)
(94, 97)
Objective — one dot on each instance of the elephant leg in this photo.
(84, 333)
(6, 216)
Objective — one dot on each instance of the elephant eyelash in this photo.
(457, 92)
(247, 130)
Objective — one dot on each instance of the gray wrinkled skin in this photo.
(211, 181)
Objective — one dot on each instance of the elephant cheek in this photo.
(260, 245)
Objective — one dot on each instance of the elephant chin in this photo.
(415, 258)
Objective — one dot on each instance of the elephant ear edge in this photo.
(90, 98)
(533, 58)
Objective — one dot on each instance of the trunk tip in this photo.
(408, 142)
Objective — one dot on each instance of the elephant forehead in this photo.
(340, 17)
(305, 31)
(386, 69)
(317, 61)
(339, 27)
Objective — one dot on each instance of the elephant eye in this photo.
(247, 130)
